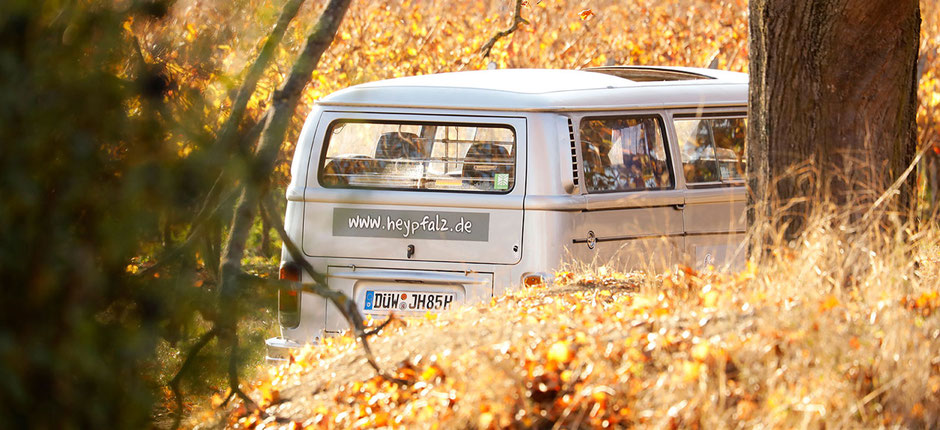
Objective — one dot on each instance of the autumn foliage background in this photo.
(206, 47)
(110, 112)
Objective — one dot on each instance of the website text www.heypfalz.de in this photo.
(408, 227)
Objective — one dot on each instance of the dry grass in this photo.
(838, 329)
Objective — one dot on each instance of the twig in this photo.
(517, 20)
(897, 184)
(375, 331)
(874, 394)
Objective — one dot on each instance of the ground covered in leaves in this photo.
(799, 343)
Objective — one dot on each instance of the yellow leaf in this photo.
(586, 13)
(933, 383)
(710, 299)
(700, 351)
(430, 373)
(560, 352)
(691, 370)
(830, 302)
(486, 419)
(854, 343)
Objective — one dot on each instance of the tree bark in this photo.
(832, 90)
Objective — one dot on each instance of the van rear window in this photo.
(419, 156)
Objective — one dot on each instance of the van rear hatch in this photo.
(416, 188)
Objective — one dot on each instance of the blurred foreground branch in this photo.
(254, 185)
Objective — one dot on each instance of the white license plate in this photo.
(407, 301)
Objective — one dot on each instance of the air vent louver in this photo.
(575, 174)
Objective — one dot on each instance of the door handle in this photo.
(679, 206)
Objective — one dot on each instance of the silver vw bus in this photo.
(424, 193)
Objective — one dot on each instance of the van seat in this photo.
(483, 161)
(338, 170)
(396, 145)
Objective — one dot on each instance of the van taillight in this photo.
(290, 272)
(536, 279)
(288, 301)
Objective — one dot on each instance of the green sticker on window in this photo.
(501, 181)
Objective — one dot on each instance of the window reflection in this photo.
(423, 156)
(712, 150)
(624, 154)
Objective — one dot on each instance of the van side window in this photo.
(712, 150)
(419, 156)
(624, 154)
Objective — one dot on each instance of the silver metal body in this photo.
(548, 220)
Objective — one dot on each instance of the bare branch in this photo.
(214, 201)
(175, 382)
(345, 305)
(228, 134)
(195, 229)
(517, 20)
(233, 382)
(255, 184)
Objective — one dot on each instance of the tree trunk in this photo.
(272, 136)
(832, 89)
(254, 185)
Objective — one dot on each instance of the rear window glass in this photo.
(624, 154)
(712, 149)
(420, 156)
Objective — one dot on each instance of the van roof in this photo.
(602, 88)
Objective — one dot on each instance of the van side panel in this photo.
(715, 227)
(714, 215)
(552, 198)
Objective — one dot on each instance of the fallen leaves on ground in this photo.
(606, 349)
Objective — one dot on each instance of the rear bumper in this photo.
(279, 350)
